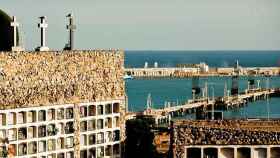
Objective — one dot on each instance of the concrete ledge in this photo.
(232, 151)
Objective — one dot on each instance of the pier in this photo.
(204, 105)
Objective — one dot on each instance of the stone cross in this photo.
(71, 27)
(43, 25)
(15, 25)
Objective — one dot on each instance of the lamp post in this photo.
(193, 95)
(267, 100)
(213, 98)
(258, 82)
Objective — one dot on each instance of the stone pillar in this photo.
(268, 152)
(76, 130)
(219, 152)
(202, 152)
(122, 118)
(169, 119)
(235, 152)
(156, 120)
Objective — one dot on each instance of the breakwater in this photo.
(203, 71)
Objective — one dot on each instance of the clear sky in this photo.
(153, 24)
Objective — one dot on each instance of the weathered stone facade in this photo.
(49, 81)
(224, 132)
(77, 124)
(46, 78)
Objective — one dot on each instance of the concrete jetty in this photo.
(161, 72)
(202, 105)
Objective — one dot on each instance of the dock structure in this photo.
(160, 72)
(182, 72)
(164, 115)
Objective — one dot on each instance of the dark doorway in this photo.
(210, 153)
(193, 153)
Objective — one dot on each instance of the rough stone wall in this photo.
(224, 132)
(45, 78)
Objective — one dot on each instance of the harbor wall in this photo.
(197, 71)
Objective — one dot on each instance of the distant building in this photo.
(204, 68)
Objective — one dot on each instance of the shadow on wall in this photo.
(139, 141)
(6, 32)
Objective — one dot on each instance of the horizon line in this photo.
(202, 50)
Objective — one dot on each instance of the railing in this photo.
(205, 102)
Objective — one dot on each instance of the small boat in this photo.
(127, 77)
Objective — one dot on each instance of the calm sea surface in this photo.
(179, 90)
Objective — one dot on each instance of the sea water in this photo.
(178, 91)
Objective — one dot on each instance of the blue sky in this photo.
(153, 24)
